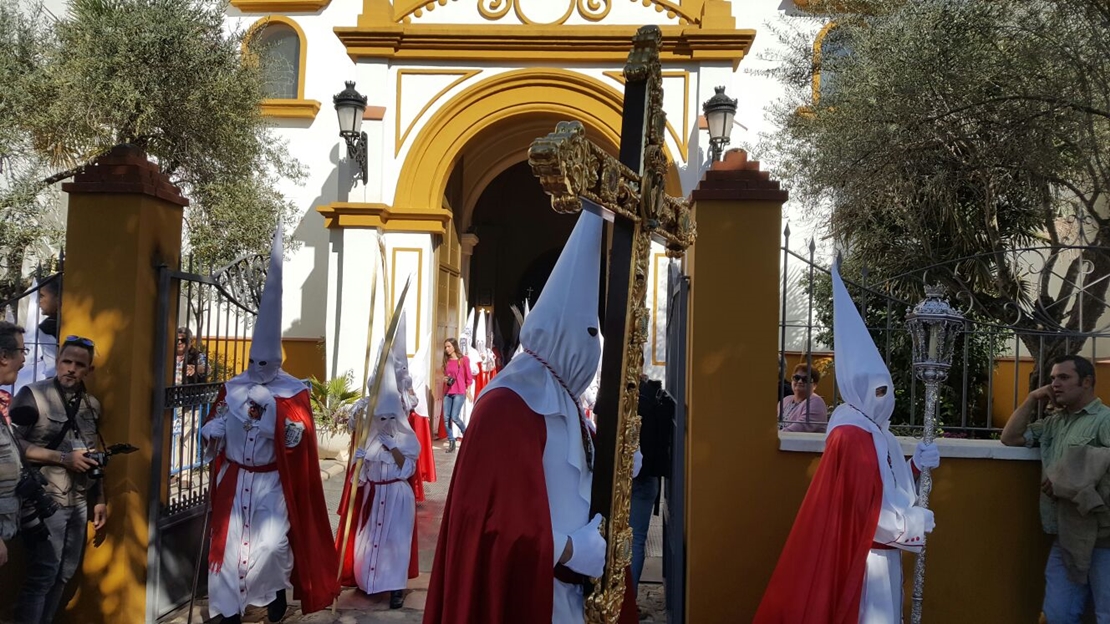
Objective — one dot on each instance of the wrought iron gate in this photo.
(212, 316)
(674, 509)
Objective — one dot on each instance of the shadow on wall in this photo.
(311, 320)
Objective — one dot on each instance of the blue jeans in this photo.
(51, 564)
(452, 413)
(1064, 600)
(644, 492)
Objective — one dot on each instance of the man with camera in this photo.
(12, 355)
(55, 420)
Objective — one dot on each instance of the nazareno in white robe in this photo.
(383, 543)
(257, 560)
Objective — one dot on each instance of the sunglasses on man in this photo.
(801, 378)
(74, 339)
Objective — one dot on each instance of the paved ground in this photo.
(355, 607)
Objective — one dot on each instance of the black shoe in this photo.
(396, 599)
(451, 448)
(276, 609)
(231, 619)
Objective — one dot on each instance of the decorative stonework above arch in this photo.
(589, 10)
(705, 31)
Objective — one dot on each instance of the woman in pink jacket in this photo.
(457, 379)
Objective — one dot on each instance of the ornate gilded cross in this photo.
(631, 190)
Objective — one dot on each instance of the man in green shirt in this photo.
(1076, 417)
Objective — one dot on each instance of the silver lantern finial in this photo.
(934, 326)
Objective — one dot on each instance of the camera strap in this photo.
(71, 406)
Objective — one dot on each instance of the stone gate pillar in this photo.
(124, 219)
(731, 376)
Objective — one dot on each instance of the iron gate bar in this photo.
(158, 409)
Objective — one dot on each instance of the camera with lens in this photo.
(37, 504)
(101, 458)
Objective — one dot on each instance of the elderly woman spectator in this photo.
(804, 410)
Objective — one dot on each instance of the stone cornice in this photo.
(280, 6)
(570, 44)
(384, 217)
(290, 109)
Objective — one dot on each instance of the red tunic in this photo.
(493, 561)
(820, 574)
(493, 558)
(426, 465)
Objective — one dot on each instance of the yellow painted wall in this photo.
(301, 357)
(116, 234)
(987, 556)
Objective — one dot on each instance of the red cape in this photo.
(314, 559)
(365, 492)
(427, 463)
(820, 574)
(493, 561)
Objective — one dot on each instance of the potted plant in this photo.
(329, 398)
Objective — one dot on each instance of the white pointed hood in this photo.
(265, 355)
(563, 331)
(527, 308)
(418, 370)
(390, 417)
(860, 370)
(401, 364)
(563, 328)
(466, 338)
(264, 365)
(480, 335)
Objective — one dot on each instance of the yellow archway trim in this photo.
(385, 217)
(279, 6)
(547, 92)
(683, 141)
(282, 108)
(463, 75)
(818, 42)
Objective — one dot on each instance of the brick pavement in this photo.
(355, 607)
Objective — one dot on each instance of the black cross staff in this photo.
(629, 192)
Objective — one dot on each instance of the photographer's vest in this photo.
(10, 467)
(67, 488)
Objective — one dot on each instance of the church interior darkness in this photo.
(520, 238)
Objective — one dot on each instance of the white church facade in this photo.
(457, 90)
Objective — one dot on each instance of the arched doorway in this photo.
(472, 152)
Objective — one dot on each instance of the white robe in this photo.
(569, 509)
(383, 545)
(257, 560)
(40, 363)
(901, 524)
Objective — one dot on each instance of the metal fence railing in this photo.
(997, 361)
(214, 315)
